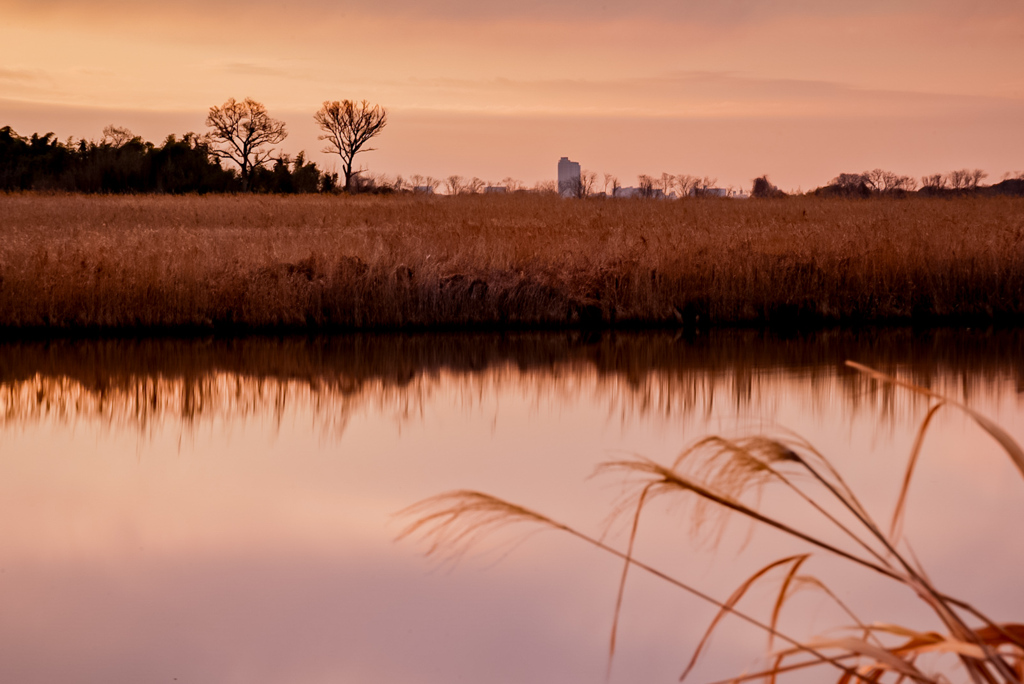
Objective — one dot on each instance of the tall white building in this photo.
(568, 177)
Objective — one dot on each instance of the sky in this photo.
(795, 89)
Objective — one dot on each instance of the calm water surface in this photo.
(224, 511)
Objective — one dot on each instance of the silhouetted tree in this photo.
(117, 136)
(453, 184)
(511, 184)
(186, 165)
(702, 185)
(645, 186)
(667, 181)
(242, 131)
(686, 184)
(347, 126)
(764, 188)
(123, 162)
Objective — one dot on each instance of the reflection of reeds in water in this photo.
(726, 476)
(143, 382)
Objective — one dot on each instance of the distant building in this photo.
(653, 193)
(718, 192)
(568, 178)
(496, 189)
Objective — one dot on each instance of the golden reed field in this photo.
(233, 263)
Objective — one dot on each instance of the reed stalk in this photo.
(719, 473)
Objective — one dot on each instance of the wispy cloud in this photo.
(21, 75)
(689, 94)
(257, 69)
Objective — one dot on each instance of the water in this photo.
(225, 511)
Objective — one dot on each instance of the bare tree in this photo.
(117, 137)
(977, 175)
(646, 186)
(905, 183)
(686, 184)
(241, 132)
(425, 184)
(608, 180)
(879, 180)
(347, 126)
(935, 181)
(474, 186)
(959, 179)
(667, 181)
(511, 184)
(702, 185)
(453, 184)
(588, 179)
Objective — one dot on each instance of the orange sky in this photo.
(797, 89)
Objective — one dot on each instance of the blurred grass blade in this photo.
(882, 657)
(1001, 436)
(897, 516)
(628, 561)
(734, 599)
(783, 591)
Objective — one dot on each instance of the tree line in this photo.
(241, 135)
(881, 182)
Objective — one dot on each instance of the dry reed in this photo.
(726, 475)
(75, 263)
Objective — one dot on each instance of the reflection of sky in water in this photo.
(251, 540)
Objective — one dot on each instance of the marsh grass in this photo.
(724, 477)
(77, 263)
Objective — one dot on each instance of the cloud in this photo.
(690, 94)
(21, 75)
(254, 69)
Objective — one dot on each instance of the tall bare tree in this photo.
(686, 184)
(347, 126)
(241, 133)
(646, 186)
(588, 179)
(117, 137)
(453, 184)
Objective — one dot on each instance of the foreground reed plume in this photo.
(721, 474)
